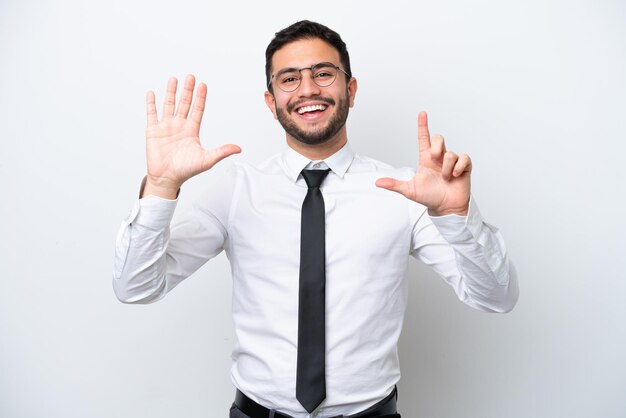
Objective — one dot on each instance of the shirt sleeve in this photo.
(152, 257)
(470, 255)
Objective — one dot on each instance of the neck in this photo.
(318, 151)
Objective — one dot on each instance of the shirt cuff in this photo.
(458, 228)
(154, 212)
(151, 211)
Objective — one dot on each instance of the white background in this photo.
(534, 91)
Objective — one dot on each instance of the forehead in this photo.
(304, 53)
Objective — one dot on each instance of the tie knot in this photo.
(314, 178)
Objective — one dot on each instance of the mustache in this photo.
(327, 100)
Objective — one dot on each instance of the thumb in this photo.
(215, 155)
(394, 185)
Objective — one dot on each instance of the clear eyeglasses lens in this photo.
(323, 76)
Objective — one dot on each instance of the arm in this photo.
(470, 255)
(467, 252)
(150, 260)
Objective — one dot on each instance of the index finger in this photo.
(151, 109)
(423, 136)
(198, 104)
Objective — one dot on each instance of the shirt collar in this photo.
(339, 162)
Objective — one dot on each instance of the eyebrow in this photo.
(319, 64)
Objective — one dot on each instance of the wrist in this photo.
(162, 189)
(462, 211)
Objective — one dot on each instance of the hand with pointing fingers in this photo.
(442, 179)
(173, 148)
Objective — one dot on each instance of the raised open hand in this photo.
(173, 148)
(442, 179)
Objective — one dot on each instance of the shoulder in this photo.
(270, 165)
(364, 164)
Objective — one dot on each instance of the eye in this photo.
(289, 79)
(324, 74)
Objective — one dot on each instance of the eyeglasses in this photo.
(323, 74)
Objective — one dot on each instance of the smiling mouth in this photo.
(312, 108)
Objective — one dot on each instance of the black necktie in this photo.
(310, 377)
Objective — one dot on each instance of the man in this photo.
(318, 269)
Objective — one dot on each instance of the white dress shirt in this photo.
(253, 213)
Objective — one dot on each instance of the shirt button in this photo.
(316, 165)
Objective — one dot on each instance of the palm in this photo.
(442, 180)
(430, 189)
(174, 151)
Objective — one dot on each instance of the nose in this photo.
(307, 85)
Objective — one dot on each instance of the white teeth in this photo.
(312, 108)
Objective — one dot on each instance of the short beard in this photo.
(317, 135)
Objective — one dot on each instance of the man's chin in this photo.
(311, 139)
(315, 133)
(311, 136)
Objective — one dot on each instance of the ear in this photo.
(270, 101)
(352, 87)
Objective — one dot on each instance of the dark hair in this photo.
(305, 29)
